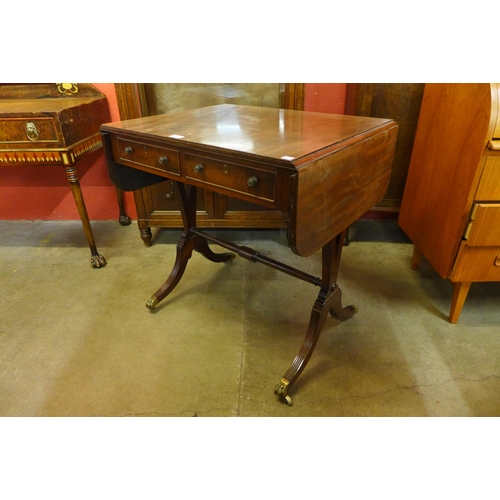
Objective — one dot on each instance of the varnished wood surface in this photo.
(321, 171)
(267, 132)
(489, 185)
(63, 120)
(485, 225)
(455, 125)
(341, 187)
(477, 264)
(401, 102)
(451, 203)
(67, 127)
(23, 107)
(158, 205)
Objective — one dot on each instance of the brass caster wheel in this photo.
(152, 303)
(281, 391)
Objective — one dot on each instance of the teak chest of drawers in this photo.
(321, 171)
(451, 204)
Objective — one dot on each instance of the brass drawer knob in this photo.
(163, 159)
(497, 261)
(252, 181)
(198, 168)
(128, 150)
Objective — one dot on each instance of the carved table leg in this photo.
(145, 232)
(187, 243)
(329, 301)
(96, 260)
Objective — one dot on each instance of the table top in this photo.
(322, 170)
(278, 134)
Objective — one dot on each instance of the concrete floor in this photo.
(77, 341)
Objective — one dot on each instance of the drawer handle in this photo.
(198, 168)
(128, 150)
(497, 261)
(163, 159)
(252, 181)
(31, 131)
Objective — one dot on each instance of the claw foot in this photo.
(97, 261)
(124, 220)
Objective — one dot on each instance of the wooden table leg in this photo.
(188, 242)
(96, 260)
(415, 258)
(123, 218)
(460, 291)
(329, 301)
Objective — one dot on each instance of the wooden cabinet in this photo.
(451, 204)
(400, 102)
(159, 205)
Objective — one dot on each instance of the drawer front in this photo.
(253, 181)
(27, 131)
(484, 226)
(489, 185)
(135, 153)
(477, 264)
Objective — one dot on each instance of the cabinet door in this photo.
(401, 102)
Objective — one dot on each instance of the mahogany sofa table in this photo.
(321, 171)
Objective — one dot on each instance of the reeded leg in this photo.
(460, 291)
(96, 260)
(187, 243)
(185, 248)
(329, 301)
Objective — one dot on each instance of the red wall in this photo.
(325, 97)
(43, 193)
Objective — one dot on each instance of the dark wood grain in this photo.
(327, 169)
(158, 205)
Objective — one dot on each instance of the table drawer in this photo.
(252, 181)
(477, 264)
(137, 153)
(484, 227)
(27, 130)
(489, 185)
